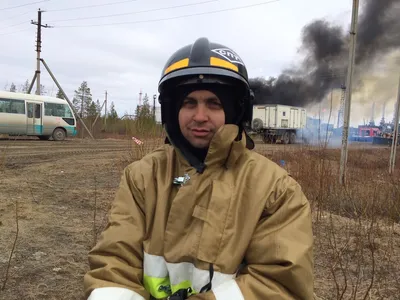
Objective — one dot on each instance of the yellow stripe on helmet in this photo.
(177, 65)
(217, 62)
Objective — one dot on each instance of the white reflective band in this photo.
(114, 293)
(228, 290)
(156, 266)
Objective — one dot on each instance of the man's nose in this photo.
(201, 114)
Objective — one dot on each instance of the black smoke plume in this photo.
(326, 48)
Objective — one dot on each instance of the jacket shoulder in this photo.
(159, 156)
(140, 173)
(267, 178)
(261, 164)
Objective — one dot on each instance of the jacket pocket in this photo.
(214, 219)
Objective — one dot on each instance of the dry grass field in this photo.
(54, 199)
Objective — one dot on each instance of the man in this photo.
(204, 217)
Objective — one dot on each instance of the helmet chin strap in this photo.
(193, 155)
(239, 122)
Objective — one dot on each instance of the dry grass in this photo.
(126, 128)
(356, 226)
(140, 150)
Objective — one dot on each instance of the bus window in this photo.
(5, 106)
(34, 108)
(30, 110)
(68, 112)
(37, 111)
(57, 110)
(17, 106)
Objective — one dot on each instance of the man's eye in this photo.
(215, 104)
(189, 102)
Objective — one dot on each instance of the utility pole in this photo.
(38, 49)
(393, 150)
(341, 107)
(347, 107)
(77, 115)
(36, 76)
(83, 97)
(98, 114)
(105, 113)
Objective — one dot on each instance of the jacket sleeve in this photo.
(116, 261)
(279, 259)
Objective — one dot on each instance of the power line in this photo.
(6, 33)
(14, 25)
(172, 18)
(26, 4)
(136, 12)
(13, 17)
(93, 5)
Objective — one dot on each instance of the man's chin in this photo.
(200, 144)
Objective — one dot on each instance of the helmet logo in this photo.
(229, 55)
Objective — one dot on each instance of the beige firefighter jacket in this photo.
(162, 237)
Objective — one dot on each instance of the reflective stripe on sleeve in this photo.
(228, 290)
(114, 293)
(155, 277)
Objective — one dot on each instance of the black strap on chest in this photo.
(208, 286)
(181, 294)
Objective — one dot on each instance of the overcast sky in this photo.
(128, 57)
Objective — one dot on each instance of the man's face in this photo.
(200, 117)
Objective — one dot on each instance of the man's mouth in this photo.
(199, 132)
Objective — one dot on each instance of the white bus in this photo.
(33, 115)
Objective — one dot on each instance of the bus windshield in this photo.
(57, 110)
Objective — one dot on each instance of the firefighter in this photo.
(204, 216)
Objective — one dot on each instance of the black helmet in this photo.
(203, 63)
(206, 62)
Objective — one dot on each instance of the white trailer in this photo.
(276, 122)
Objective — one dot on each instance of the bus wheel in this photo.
(59, 134)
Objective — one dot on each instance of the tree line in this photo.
(22, 88)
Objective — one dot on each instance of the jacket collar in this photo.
(224, 149)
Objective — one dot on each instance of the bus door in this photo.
(34, 118)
